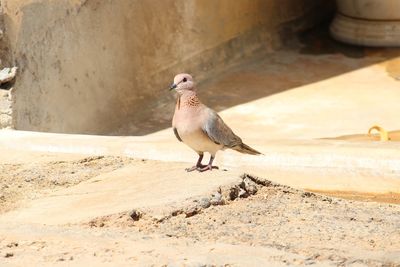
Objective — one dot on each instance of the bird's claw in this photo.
(201, 168)
(195, 167)
(191, 169)
(207, 167)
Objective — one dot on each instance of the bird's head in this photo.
(183, 82)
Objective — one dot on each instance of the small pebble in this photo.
(216, 199)
(250, 186)
(12, 244)
(205, 203)
(135, 215)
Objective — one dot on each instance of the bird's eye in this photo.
(184, 80)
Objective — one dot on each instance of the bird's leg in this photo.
(198, 164)
(209, 166)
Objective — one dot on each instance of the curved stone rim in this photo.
(366, 32)
(370, 9)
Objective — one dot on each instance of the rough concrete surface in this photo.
(324, 165)
(78, 200)
(90, 66)
(5, 109)
(301, 105)
(242, 221)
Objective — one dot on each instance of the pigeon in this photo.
(200, 127)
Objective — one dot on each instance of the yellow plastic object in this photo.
(382, 132)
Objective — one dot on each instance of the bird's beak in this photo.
(172, 87)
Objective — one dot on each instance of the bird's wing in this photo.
(218, 131)
(177, 134)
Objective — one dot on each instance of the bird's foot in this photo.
(201, 168)
(191, 169)
(195, 167)
(207, 167)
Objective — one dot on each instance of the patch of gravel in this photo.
(258, 212)
(20, 182)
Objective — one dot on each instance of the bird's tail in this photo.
(243, 148)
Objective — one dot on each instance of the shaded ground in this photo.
(311, 58)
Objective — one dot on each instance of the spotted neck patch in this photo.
(192, 101)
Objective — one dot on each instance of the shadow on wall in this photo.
(85, 70)
(313, 56)
(101, 67)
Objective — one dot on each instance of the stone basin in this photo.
(367, 22)
(370, 9)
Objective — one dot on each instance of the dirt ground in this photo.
(21, 182)
(252, 223)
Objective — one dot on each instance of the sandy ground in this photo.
(23, 181)
(251, 223)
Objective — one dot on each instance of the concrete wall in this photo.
(103, 66)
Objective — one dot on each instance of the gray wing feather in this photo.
(177, 134)
(219, 132)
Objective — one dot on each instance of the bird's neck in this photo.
(188, 100)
